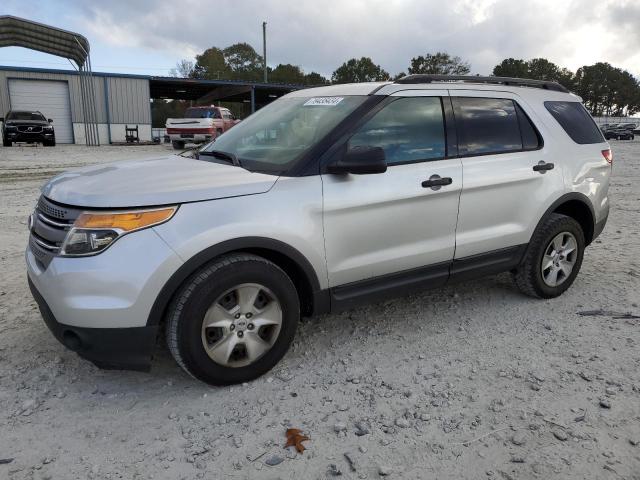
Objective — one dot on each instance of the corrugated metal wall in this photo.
(129, 100)
(128, 97)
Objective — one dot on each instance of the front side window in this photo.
(576, 121)
(408, 130)
(487, 125)
(276, 136)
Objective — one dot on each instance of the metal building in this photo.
(120, 100)
(95, 108)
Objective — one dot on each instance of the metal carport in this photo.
(207, 91)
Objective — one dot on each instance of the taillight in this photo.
(608, 156)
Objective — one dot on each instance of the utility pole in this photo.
(264, 49)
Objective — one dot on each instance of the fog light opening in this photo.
(71, 340)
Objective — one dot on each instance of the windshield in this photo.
(274, 137)
(202, 113)
(25, 116)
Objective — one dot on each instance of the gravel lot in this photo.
(470, 381)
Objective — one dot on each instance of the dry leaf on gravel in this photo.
(295, 439)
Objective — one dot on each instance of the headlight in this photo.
(93, 232)
(11, 128)
(48, 128)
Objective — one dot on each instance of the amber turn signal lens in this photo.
(125, 221)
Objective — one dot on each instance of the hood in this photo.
(155, 181)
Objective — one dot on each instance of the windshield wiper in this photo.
(230, 157)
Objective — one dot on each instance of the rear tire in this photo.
(219, 132)
(209, 330)
(177, 145)
(550, 247)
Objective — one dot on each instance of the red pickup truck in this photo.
(199, 125)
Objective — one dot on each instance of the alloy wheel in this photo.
(241, 325)
(559, 259)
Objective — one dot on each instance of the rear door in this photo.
(509, 173)
(381, 224)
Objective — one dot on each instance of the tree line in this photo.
(605, 89)
(240, 61)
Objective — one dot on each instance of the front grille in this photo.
(48, 208)
(23, 129)
(51, 222)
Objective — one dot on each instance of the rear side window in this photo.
(531, 139)
(576, 121)
(493, 125)
(408, 130)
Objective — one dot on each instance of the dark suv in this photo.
(619, 133)
(27, 126)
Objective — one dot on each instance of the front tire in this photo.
(553, 258)
(233, 320)
(6, 143)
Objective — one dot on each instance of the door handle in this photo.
(542, 167)
(436, 181)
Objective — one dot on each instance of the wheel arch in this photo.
(577, 206)
(313, 300)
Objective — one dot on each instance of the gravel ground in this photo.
(470, 381)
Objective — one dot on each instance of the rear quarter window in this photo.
(576, 121)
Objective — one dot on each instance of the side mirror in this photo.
(360, 161)
(50, 120)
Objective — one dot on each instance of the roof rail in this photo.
(515, 82)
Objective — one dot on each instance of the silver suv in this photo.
(326, 198)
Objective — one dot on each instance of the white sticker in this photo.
(325, 101)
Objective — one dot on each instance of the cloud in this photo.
(320, 35)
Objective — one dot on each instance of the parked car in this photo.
(320, 201)
(619, 133)
(28, 127)
(199, 125)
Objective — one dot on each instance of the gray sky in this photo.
(146, 36)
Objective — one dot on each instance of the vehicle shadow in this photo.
(439, 311)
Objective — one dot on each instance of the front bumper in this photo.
(99, 305)
(29, 137)
(108, 348)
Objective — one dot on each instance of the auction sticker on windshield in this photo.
(325, 101)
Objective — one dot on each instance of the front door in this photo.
(400, 220)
